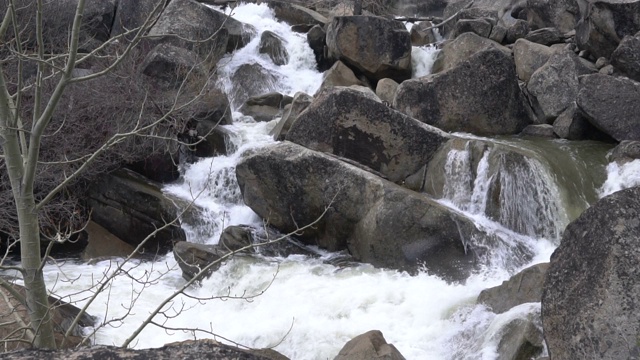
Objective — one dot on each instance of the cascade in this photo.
(519, 189)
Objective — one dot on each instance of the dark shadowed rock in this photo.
(343, 122)
(240, 34)
(13, 316)
(103, 244)
(187, 350)
(378, 47)
(480, 27)
(560, 14)
(170, 66)
(572, 125)
(132, 207)
(539, 130)
(524, 287)
(197, 27)
(369, 346)
(265, 107)
(480, 96)
(300, 102)
(289, 186)
(133, 14)
(316, 37)
(606, 23)
(461, 49)
(518, 30)
(545, 36)
(529, 57)
(611, 104)
(275, 47)
(192, 258)
(626, 58)
(554, 85)
(592, 289)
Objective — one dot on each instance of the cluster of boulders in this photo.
(355, 155)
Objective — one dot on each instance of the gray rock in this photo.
(626, 57)
(498, 33)
(132, 14)
(300, 102)
(545, 36)
(274, 46)
(518, 30)
(205, 349)
(265, 107)
(523, 287)
(625, 151)
(554, 85)
(289, 186)
(529, 57)
(193, 258)
(369, 346)
(461, 49)
(132, 207)
(480, 9)
(607, 70)
(590, 299)
(386, 90)
(339, 75)
(191, 25)
(171, 66)
(421, 34)
(378, 47)
(611, 104)
(295, 14)
(602, 62)
(522, 339)
(481, 27)
(343, 122)
(240, 34)
(560, 14)
(572, 125)
(480, 96)
(103, 244)
(539, 130)
(605, 23)
(250, 80)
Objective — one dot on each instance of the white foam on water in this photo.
(620, 177)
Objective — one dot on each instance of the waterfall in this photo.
(520, 190)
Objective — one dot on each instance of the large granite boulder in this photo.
(611, 104)
(170, 66)
(592, 289)
(605, 23)
(521, 338)
(343, 122)
(132, 208)
(205, 349)
(481, 96)
(571, 124)
(523, 287)
(193, 26)
(560, 14)
(14, 316)
(290, 186)
(378, 47)
(554, 86)
(461, 49)
(369, 346)
(529, 57)
(626, 57)
(265, 107)
(422, 34)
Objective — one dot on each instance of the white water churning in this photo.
(311, 309)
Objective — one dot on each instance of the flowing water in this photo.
(307, 309)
